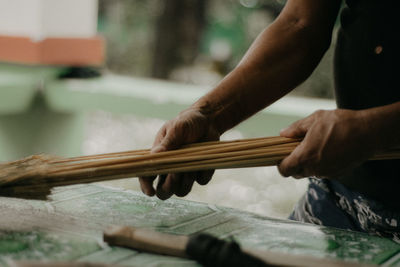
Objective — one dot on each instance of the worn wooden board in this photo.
(70, 226)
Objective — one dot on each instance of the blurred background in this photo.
(138, 63)
(192, 41)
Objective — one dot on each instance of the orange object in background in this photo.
(53, 51)
(50, 32)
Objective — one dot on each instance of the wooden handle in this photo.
(175, 245)
(56, 264)
(285, 259)
(146, 240)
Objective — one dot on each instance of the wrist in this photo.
(211, 111)
(383, 125)
(368, 134)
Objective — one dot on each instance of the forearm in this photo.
(257, 82)
(282, 57)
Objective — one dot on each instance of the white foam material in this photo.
(259, 190)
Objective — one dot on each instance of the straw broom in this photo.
(33, 177)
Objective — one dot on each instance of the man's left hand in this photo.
(334, 142)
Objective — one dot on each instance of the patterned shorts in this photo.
(330, 203)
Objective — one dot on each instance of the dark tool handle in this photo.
(213, 252)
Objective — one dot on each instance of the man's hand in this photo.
(190, 126)
(281, 57)
(334, 142)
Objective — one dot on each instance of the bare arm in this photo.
(282, 57)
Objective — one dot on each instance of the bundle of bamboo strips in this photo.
(33, 177)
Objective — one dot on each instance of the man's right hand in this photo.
(190, 126)
(281, 57)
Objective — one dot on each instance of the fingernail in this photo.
(145, 191)
(157, 148)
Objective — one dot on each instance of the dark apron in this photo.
(367, 75)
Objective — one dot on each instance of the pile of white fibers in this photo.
(259, 190)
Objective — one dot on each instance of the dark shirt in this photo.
(367, 75)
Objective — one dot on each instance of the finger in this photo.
(167, 185)
(203, 177)
(157, 148)
(158, 141)
(146, 185)
(299, 175)
(185, 184)
(297, 129)
(160, 135)
(291, 165)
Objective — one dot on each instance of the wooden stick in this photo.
(146, 240)
(166, 157)
(38, 263)
(38, 174)
(175, 245)
(198, 147)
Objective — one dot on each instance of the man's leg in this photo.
(318, 206)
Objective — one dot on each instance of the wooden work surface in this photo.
(70, 226)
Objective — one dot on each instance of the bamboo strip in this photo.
(34, 176)
(188, 148)
(182, 155)
(171, 169)
(152, 169)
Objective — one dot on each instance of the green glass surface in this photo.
(69, 228)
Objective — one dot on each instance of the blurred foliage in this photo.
(128, 29)
(145, 38)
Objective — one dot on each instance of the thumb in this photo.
(296, 129)
(169, 142)
(291, 165)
